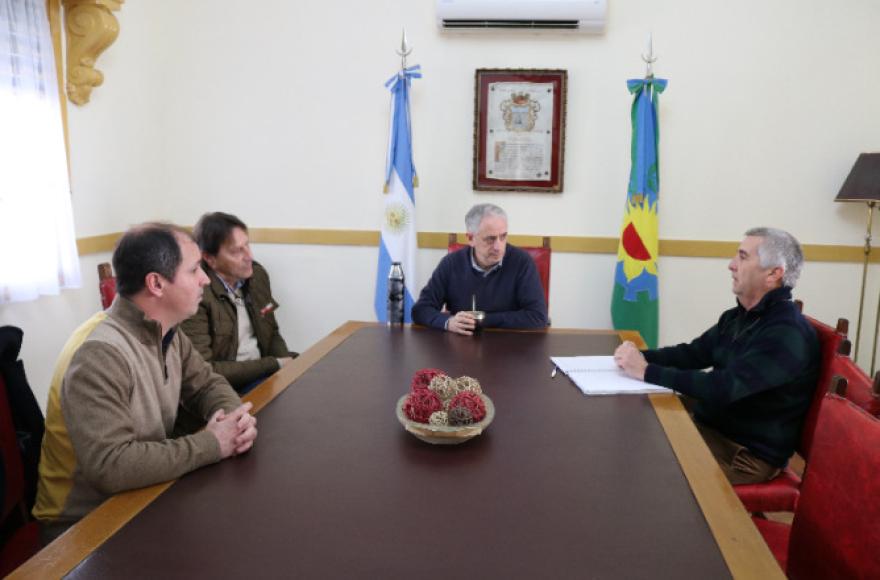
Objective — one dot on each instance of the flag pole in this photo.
(405, 50)
(649, 58)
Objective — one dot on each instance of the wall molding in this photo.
(562, 244)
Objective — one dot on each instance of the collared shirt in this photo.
(248, 347)
(229, 289)
(484, 272)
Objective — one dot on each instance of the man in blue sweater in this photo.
(500, 279)
(763, 357)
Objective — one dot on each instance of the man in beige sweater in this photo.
(119, 383)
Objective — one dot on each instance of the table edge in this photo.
(742, 546)
(75, 545)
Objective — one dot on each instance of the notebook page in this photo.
(599, 375)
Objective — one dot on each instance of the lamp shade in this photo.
(863, 181)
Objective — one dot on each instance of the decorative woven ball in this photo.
(422, 378)
(420, 404)
(468, 384)
(470, 401)
(439, 418)
(460, 416)
(444, 386)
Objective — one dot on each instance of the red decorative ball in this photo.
(470, 401)
(423, 377)
(421, 403)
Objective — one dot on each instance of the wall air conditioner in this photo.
(576, 15)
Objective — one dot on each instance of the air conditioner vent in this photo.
(575, 16)
(512, 24)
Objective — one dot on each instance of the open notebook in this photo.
(599, 375)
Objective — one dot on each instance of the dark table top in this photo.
(560, 485)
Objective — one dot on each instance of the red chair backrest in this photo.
(10, 454)
(829, 343)
(860, 389)
(836, 530)
(540, 255)
(106, 285)
(20, 539)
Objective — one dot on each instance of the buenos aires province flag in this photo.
(398, 234)
(634, 302)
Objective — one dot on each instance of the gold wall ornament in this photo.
(91, 27)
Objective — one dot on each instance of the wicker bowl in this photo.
(445, 435)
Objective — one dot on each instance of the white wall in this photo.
(276, 111)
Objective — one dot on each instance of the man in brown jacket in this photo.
(111, 418)
(234, 328)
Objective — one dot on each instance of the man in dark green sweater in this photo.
(763, 361)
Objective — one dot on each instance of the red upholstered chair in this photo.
(857, 385)
(19, 535)
(540, 254)
(106, 284)
(835, 531)
(780, 494)
(826, 372)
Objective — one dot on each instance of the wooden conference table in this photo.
(560, 485)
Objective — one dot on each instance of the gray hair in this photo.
(480, 211)
(780, 249)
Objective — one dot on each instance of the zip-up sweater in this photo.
(510, 295)
(764, 367)
(118, 401)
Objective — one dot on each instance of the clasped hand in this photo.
(235, 431)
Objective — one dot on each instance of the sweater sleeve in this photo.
(695, 355)
(773, 357)
(427, 309)
(95, 404)
(202, 390)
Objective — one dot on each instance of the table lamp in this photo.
(863, 184)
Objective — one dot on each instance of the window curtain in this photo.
(37, 243)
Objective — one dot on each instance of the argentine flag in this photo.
(398, 235)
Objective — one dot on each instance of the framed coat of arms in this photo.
(519, 129)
